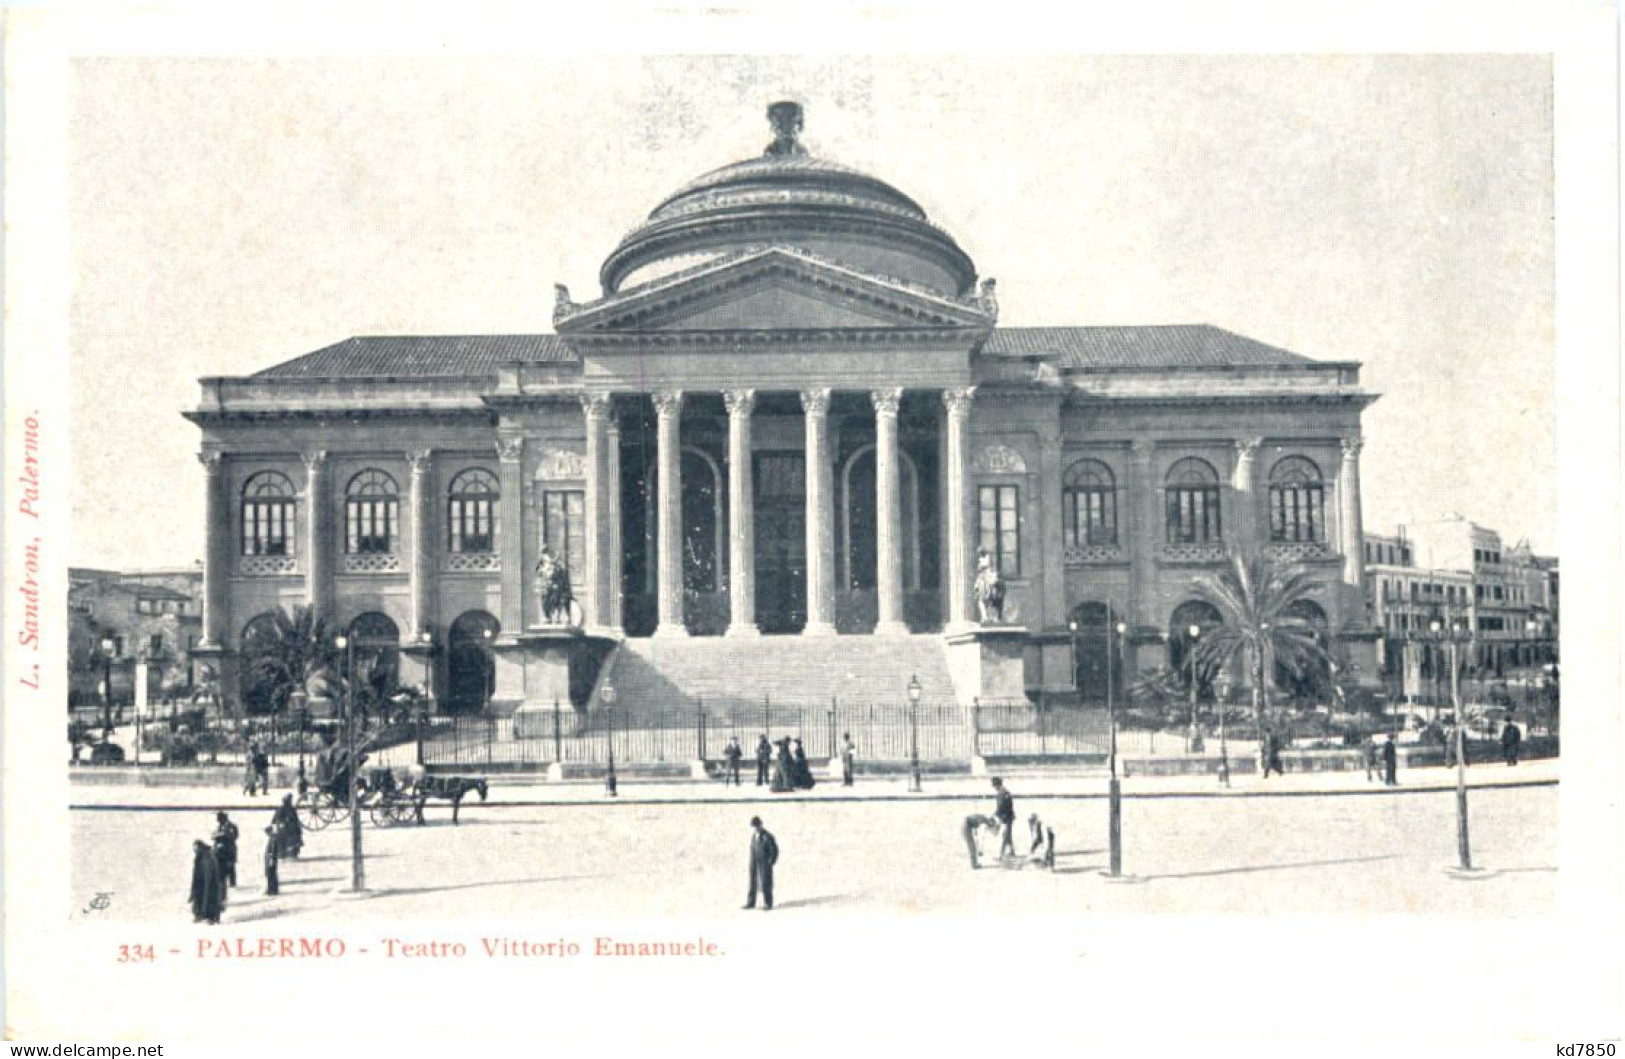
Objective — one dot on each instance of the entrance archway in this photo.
(1314, 682)
(377, 656)
(1099, 657)
(470, 667)
(1204, 616)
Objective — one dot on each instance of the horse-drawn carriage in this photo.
(386, 798)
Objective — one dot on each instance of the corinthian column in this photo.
(612, 507)
(888, 515)
(1241, 485)
(595, 411)
(422, 500)
(741, 517)
(820, 530)
(1348, 511)
(1146, 536)
(217, 523)
(511, 527)
(319, 541)
(958, 403)
(668, 412)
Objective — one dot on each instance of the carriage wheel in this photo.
(310, 813)
(330, 809)
(400, 811)
(383, 814)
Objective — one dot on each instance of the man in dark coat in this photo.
(271, 857)
(1511, 739)
(1004, 811)
(262, 769)
(732, 756)
(849, 758)
(225, 848)
(764, 757)
(208, 895)
(1390, 762)
(764, 853)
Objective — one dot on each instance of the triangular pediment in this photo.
(771, 290)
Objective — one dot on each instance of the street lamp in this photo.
(107, 682)
(487, 669)
(1454, 635)
(357, 872)
(1114, 791)
(1224, 747)
(607, 697)
(1195, 739)
(913, 733)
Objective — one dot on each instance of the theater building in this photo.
(768, 453)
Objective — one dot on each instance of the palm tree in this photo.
(288, 654)
(1255, 596)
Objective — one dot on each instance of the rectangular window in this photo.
(155, 646)
(370, 526)
(999, 527)
(564, 530)
(267, 527)
(471, 525)
(1193, 515)
(1091, 517)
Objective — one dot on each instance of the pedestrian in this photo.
(271, 855)
(250, 779)
(1370, 755)
(973, 827)
(1390, 762)
(1004, 811)
(288, 829)
(764, 757)
(1272, 755)
(849, 759)
(1511, 739)
(783, 768)
(1042, 851)
(262, 769)
(225, 848)
(802, 775)
(208, 896)
(764, 853)
(732, 754)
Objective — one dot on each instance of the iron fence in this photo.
(1023, 728)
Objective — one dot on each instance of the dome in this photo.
(789, 198)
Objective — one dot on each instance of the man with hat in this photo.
(764, 853)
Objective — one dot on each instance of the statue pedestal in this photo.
(988, 662)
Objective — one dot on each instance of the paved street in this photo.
(1320, 852)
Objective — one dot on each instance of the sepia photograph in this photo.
(558, 507)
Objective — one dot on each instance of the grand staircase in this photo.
(785, 670)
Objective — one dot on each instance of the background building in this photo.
(152, 616)
(768, 455)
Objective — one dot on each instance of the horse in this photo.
(448, 788)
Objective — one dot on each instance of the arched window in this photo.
(1193, 503)
(1089, 504)
(268, 499)
(1297, 501)
(471, 511)
(371, 514)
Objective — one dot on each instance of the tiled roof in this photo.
(1166, 346)
(454, 355)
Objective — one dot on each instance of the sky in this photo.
(228, 214)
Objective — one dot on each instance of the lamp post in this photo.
(487, 669)
(1114, 791)
(1194, 741)
(1224, 747)
(357, 872)
(607, 697)
(913, 733)
(1453, 635)
(107, 682)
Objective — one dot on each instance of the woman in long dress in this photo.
(803, 775)
(783, 768)
(290, 835)
(208, 896)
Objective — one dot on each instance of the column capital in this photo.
(594, 404)
(958, 399)
(418, 459)
(315, 460)
(212, 462)
(815, 402)
(510, 450)
(667, 402)
(1247, 448)
(740, 402)
(1351, 447)
(885, 401)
